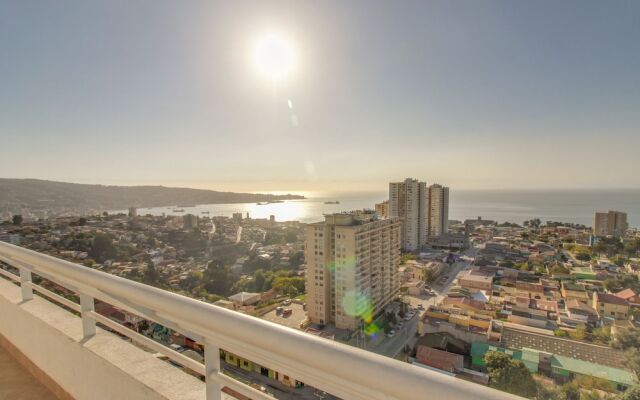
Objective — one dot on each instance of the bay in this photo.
(575, 206)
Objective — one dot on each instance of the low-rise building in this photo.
(561, 368)
(476, 279)
(610, 306)
(630, 296)
(245, 298)
(572, 290)
(440, 359)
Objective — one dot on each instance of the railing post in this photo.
(25, 280)
(88, 323)
(212, 369)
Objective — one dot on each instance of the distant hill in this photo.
(57, 197)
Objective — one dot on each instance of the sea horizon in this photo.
(503, 205)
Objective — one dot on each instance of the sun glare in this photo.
(274, 56)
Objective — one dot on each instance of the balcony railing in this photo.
(341, 370)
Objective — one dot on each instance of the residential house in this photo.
(610, 306)
(572, 290)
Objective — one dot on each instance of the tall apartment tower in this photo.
(352, 267)
(610, 223)
(408, 200)
(438, 211)
(382, 209)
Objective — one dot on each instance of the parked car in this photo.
(391, 333)
(279, 310)
(286, 302)
(286, 312)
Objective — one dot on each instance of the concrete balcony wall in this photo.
(102, 367)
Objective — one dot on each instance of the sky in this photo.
(471, 94)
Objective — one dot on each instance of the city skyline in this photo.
(119, 89)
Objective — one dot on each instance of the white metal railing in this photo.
(341, 370)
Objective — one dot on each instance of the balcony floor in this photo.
(16, 383)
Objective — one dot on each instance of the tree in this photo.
(627, 339)
(580, 333)
(585, 388)
(632, 247)
(259, 280)
(561, 333)
(151, 274)
(17, 219)
(429, 277)
(602, 335)
(191, 281)
(218, 278)
(408, 256)
(583, 256)
(297, 259)
(255, 263)
(506, 264)
(102, 248)
(632, 360)
(633, 393)
(291, 286)
(509, 375)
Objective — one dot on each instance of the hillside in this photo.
(40, 195)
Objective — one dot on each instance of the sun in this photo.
(274, 56)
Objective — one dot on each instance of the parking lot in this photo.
(294, 320)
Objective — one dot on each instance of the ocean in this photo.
(576, 206)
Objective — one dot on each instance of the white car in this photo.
(400, 325)
(391, 333)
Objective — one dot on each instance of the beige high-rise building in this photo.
(382, 209)
(352, 267)
(610, 223)
(438, 211)
(408, 200)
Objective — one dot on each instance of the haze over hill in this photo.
(60, 197)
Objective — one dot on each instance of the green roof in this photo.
(600, 371)
(574, 287)
(479, 349)
(530, 355)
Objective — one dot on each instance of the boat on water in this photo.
(332, 202)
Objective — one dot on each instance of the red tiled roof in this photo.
(439, 359)
(610, 299)
(626, 294)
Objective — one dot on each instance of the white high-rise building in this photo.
(408, 200)
(438, 211)
(352, 267)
